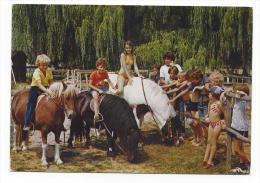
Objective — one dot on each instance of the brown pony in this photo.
(49, 115)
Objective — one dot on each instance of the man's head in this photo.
(168, 58)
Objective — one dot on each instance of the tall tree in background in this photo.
(74, 36)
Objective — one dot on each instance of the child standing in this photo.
(98, 84)
(155, 75)
(215, 125)
(240, 124)
(41, 79)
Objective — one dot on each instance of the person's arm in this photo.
(39, 84)
(169, 85)
(136, 68)
(111, 84)
(93, 87)
(179, 95)
(172, 91)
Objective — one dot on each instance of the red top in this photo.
(98, 79)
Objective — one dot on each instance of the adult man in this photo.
(168, 62)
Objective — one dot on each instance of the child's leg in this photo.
(95, 95)
(239, 150)
(209, 141)
(215, 135)
(120, 84)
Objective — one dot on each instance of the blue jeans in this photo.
(180, 118)
(32, 101)
(203, 109)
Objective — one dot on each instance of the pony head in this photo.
(68, 92)
(132, 143)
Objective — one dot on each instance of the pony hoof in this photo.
(15, 149)
(44, 163)
(59, 162)
(24, 148)
(111, 154)
(70, 145)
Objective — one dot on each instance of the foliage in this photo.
(75, 36)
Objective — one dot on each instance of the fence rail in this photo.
(61, 74)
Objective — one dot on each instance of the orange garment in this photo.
(98, 79)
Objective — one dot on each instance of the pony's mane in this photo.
(71, 91)
(58, 88)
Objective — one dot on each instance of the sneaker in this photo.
(27, 127)
(195, 144)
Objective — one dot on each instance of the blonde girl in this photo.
(215, 125)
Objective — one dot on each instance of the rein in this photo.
(150, 109)
(115, 140)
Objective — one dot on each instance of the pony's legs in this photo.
(15, 137)
(24, 137)
(111, 144)
(57, 149)
(44, 148)
(88, 141)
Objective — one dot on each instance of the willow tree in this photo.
(236, 37)
(21, 35)
(84, 38)
(55, 31)
(109, 36)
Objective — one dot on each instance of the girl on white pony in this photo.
(127, 60)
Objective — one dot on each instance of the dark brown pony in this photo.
(49, 115)
(119, 122)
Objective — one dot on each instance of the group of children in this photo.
(203, 97)
(190, 91)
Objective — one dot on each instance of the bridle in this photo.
(60, 103)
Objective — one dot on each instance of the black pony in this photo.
(119, 121)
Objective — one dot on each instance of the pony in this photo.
(144, 95)
(118, 121)
(49, 116)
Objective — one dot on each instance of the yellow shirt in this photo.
(38, 75)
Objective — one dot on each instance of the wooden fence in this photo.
(230, 96)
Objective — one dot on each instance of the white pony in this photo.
(155, 96)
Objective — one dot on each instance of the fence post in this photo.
(228, 118)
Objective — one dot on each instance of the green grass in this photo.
(156, 158)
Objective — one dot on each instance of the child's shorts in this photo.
(203, 109)
(105, 90)
(243, 133)
(192, 106)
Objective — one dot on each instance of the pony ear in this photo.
(64, 85)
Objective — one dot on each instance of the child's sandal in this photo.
(207, 166)
(204, 163)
